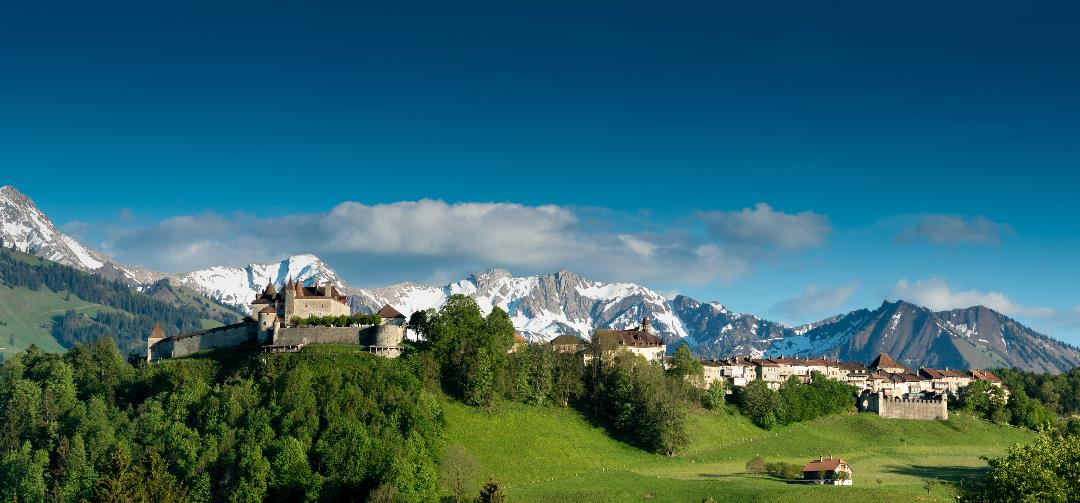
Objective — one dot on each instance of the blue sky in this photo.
(784, 158)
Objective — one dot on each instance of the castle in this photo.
(274, 326)
(274, 310)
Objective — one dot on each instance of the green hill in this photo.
(53, 306)
(549, 454)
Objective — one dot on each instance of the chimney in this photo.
(821, 458)
(830, 457)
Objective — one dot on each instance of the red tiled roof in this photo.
(883, 360)
(566, 340)
(985, 375)
(942, 374)
(905, 377)
(629, 337)
(829, 465)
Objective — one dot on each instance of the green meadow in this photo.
(551, 454)
(28, 315)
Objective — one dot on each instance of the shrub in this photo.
(755, 465)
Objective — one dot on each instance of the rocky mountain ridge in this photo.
(544, 306)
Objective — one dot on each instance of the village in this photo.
(881, 379)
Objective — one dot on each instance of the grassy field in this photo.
(28, 315)
(548, 454)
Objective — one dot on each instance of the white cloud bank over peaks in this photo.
(427, 240)
(764, 227)
(937, 295)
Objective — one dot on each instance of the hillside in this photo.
(54, 306)
(549, 454)
(976, 337)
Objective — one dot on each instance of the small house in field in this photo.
(827, 471)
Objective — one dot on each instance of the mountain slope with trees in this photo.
(58, 306)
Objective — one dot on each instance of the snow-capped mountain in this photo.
(976, 337)
(238, 286)
(542, 306)
(26, 228)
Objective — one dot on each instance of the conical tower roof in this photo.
(157, 332)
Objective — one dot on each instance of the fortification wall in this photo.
(317, 335)
(221, 337)
(905, 408)
(383, 335)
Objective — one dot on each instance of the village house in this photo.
(903, 383)
(712, 371)
(520, 342)
(567, 343)
(886, 387)
(855, 374)
(946, 381)
(637, 341)
(772, 372)
(827, 471)
(884, 363)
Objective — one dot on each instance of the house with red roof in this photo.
(827, 471)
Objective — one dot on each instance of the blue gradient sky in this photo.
(938, 144)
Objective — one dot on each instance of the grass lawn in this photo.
(550, 454)
(28, 315)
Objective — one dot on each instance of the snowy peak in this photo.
(26, 228)
(238, 286)
(541, 306)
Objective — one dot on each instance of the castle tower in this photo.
(156, 335)
(290, 297)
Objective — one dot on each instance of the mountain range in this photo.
(544, 306)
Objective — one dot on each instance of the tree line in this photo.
(794, 401)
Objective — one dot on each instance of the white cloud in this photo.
(954, 229)
(936, 294)
(764, 227)
(418, 240)
(816, 301)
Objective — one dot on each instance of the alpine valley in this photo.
(544, 306)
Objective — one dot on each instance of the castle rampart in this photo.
(904, 408)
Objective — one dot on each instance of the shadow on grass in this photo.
(945, 473)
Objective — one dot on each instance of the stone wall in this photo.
(317, 335)
(383, 335)
(899, 408)
(220, 337)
